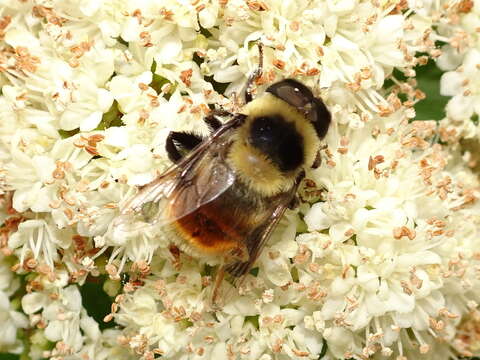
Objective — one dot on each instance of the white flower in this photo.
(323, 42)
(101, 345)
(88, 104)
(10, 318)
(39, 171)
(69, 93)
(379, 260)
(457, 27)
(11, 321)
(63, 316)
(464, 85)
(401, 233)
(77, 335)
(40, 240)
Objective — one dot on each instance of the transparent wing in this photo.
(198, 179)
(254, 242)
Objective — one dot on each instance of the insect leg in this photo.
(318, 158)
(212, 121)
(216, 299)
(295, 201)
(178, 144)
(318, 161)
(255, 75)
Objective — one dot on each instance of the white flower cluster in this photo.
(381, 258)
(10, 318)
(459, 28)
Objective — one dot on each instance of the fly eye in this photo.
(300, 97)
(292, 92)
(320, 117)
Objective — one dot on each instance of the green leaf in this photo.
(67, 133)
(253, 320)
(5, 356)
(254, 271)
(219, 87)
(324, 349)
(433, 106)
(96, 301)
(111, 118)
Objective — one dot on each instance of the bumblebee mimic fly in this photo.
(226, 192)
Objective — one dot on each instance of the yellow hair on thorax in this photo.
(253, 167)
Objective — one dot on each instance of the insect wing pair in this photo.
(200, 179)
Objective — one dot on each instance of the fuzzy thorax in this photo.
(254, 168)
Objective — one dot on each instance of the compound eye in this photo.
(292, 92)
(320, 117)
(300, 96)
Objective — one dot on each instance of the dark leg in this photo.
(295, 200)
(178, 144)
(212, 121)
(318, 158)
(255, 75)
(300, 177)
(318, 161)
(294, 203)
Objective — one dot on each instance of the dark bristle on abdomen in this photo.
(279, 140)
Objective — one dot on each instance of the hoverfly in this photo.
(226, 192)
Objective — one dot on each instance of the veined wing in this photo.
(254, 243)
(198, 179)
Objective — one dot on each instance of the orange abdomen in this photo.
(213, 228)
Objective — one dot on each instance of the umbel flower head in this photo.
(380, 259)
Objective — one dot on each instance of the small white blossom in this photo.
(11, 319)
(464, 85)
(379, 260)
(40, 240)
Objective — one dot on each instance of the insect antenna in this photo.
(257, 74)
